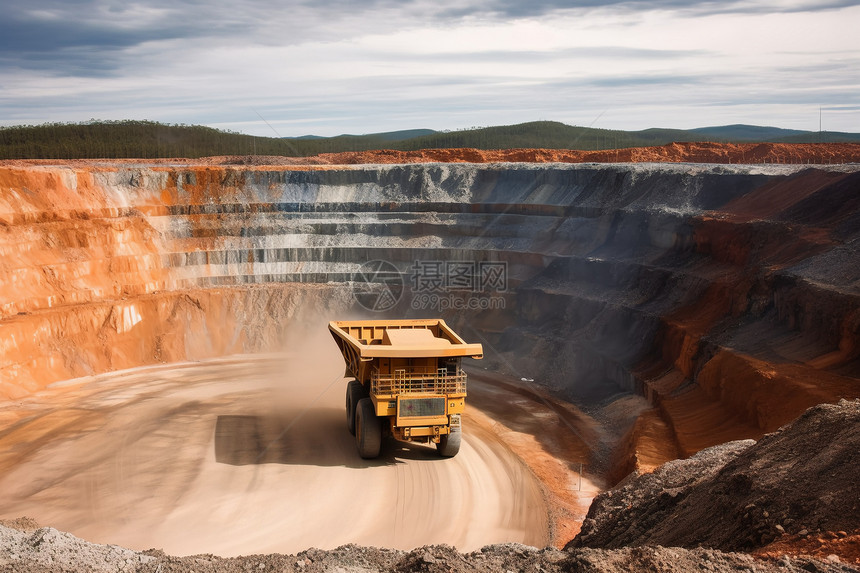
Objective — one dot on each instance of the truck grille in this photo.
(412, 407)
(433, 382)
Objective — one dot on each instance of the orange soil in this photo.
(673, 152)
(554, 439)
(844, 545)
(696, 152)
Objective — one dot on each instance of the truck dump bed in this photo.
(365, 344)
(401, 338)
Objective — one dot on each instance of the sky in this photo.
(327, 67)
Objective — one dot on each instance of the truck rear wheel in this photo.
(368, 430)
(449, 444)
(354, 393)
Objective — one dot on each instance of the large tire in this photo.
(449, 444)
(368, 430)
(354, 393)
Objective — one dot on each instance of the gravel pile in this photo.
(47, 550)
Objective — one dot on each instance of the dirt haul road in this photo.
(241, 455)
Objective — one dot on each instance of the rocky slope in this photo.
(741, 496)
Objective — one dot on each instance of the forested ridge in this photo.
(149, 139)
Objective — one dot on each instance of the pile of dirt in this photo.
(48, 550)
(798, 482)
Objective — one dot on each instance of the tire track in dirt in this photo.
(248, 455)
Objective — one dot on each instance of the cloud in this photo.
(81, 37)
(640, 81)
(534, 8)
(333, 66)
(91, 38)
(76, 24)
(48, 26)
(514, 56)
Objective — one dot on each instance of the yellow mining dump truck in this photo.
(408, 382)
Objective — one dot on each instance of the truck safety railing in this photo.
(402, 382)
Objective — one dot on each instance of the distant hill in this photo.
(740, 132)
(146, 139)
(385, 136)
(403, 134)
(823, 137)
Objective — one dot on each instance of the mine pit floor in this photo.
(245, 455)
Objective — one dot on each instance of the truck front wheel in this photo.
(449, 444)
(368, 430)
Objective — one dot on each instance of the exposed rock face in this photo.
(727, 296)
(703, 152)
(741, 495)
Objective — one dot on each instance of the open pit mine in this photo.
(168, 382)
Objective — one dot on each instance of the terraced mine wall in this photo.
(711, 302)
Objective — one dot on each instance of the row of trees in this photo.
(148, 139)
(117, 139)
